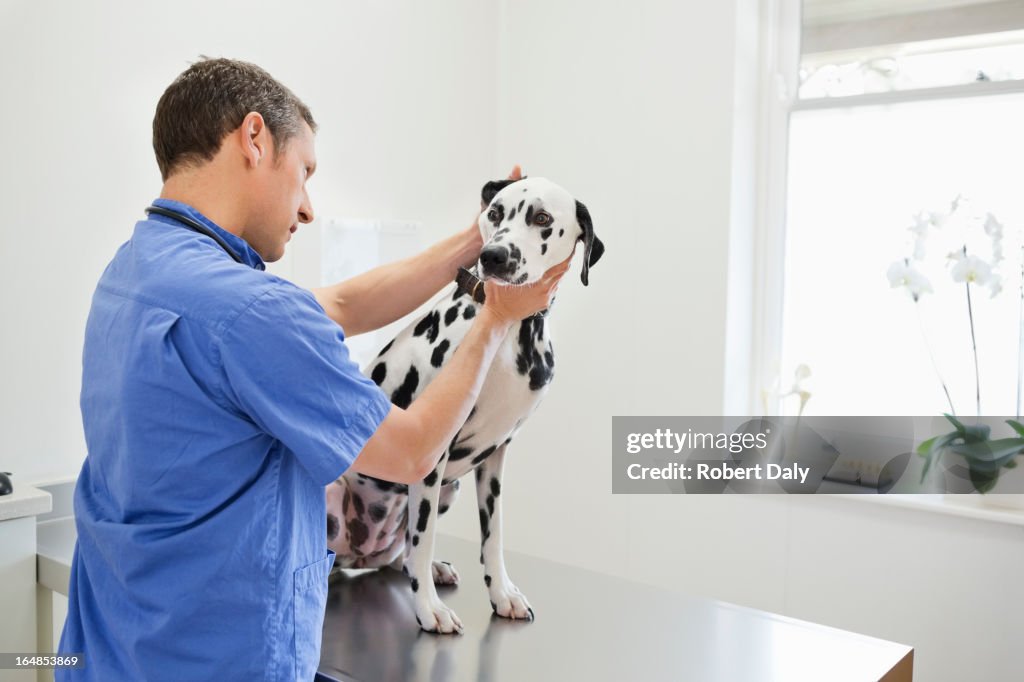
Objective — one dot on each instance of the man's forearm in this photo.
(445, 404)
(379, 297)
(422, 432)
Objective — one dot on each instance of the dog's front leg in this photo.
(506, 599)
(431, 613)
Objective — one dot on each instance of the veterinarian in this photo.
(218, 400)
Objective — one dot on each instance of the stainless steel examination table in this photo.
(588, 627)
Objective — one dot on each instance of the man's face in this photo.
(280, 201)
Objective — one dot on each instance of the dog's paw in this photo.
(444, 573)
(508, 602)
(435, 616)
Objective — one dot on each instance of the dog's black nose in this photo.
(493, 257)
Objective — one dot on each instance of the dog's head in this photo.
(531, 225)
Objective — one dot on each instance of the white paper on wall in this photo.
(353, 246)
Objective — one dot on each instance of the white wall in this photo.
(404, 93)
(631, 108)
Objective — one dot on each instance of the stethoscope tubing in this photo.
(194, 225)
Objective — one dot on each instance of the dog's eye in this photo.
(492, 215)
(543, 219)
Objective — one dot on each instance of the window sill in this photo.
(974, 507)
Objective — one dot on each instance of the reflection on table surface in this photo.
(588, 626)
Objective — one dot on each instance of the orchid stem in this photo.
(1020, 333)
(931, 356)
(974, 344)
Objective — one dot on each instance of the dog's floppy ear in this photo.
(493, 187)
(593, 248)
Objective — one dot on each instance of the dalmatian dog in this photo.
(528, 226)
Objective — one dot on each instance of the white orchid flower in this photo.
(993, 228)
(902, 274)
(995, 285)
(922, 221)
(972, 269)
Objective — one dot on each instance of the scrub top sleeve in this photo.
(286, 367)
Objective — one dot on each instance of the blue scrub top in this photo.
(218, 400)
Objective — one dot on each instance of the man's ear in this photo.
(493, 187)
(593, 248)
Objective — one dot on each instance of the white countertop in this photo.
(24, 501)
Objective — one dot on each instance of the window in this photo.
(881, 132)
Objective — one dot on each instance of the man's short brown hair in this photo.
(209, 100)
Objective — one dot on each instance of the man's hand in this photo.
(510, 303)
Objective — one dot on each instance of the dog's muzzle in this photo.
(495, 262)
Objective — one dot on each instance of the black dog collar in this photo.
(474, 286)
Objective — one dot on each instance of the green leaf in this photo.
(977, 433)
(956, 422)
(925, 447)
(984, 481)
(990, 451)
(1017, 426)
(934, 449)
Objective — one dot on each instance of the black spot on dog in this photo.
(381, 534)
(495, 486)
(561, 231)
(333, 527)
(521, 204)
(543, 249)
(357, 532)
(405, 570)
(431, 478)
(529, 215)
(378, 512)
(479, 473)
(469, 312)
(484, 455)
(512, 214)
(421, 524)
(403, 394)
(483, 524)
(458, 293)
(379, 372)
(357, 502)
(540, 376)
(487, 580)
(415, 587)
(520, 279)
(415, 540)
(490, 505)
(442, 509)
(345, 503)
(529, 360)
(545, 233)
(514, 254)
(388, 485)
(455, 454)
(429, 325)
(451, 314)
(386, 348)
(437, 357)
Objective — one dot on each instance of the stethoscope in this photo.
(187, 221)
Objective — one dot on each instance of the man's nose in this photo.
(306, 211)
(493, 257)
